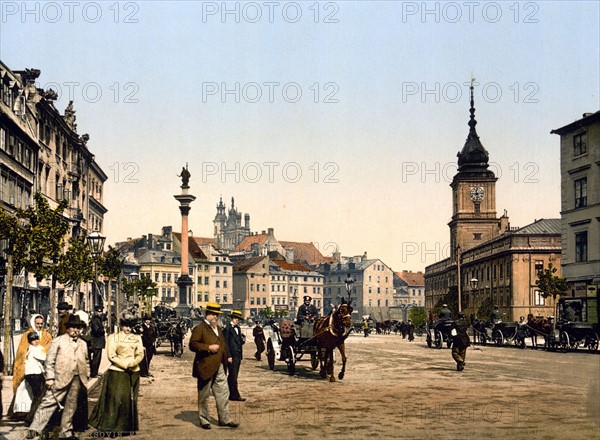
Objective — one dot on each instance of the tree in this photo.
(417, 315)
(266, 313)
(550, 284)
(112, 267)
(35, 240)
(76, 265)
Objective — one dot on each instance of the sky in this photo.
(336, 123)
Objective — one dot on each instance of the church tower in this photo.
(473, 195)
(219, 223)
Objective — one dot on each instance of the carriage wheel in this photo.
(291, 366)
(270, 354)
(314, 361)
(498, 337)
(483, 338)
(438, 339)
(564, 342)
(593, 342)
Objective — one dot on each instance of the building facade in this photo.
(372, 292)
(41, 151)
(490, 263)
(228, 228)
(580, 203)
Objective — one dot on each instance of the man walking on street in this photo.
(63, 316)
(97, 341)
(234, 340)
(460, 341)
(208, 342)
(148, 341)
(67, 374)
(259, 339)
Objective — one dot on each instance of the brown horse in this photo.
(330, 332)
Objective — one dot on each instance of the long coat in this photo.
(97, 332)
(206, 364)
(234, 341)
(65, 360)
(461, 340)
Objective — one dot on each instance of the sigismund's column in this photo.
(184, 281)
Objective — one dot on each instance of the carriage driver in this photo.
(307, 315)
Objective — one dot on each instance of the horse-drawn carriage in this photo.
(284, 343)
(438, 333)
(170, 328)
(290, 342)
(577, 326)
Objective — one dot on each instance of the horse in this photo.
(330, 332)
(175, 334)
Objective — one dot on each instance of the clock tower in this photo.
(473, 195)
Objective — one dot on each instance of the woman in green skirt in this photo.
(116, 412)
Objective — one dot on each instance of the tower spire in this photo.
(472, 120)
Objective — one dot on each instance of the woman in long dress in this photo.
(116, 412)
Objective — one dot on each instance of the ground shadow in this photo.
(188, 416)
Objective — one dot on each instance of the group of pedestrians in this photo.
(50, 375)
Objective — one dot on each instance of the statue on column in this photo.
(185, 176)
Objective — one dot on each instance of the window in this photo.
(200, 283)
(156, 276)
(164, 277)
(218, 298)
(264, 301)
(581, 192)
(206, 281)
(251, 287)
(168, 278)
(225, 269)
(538, 299)
(539, 265)
(225, 284)
(251, 300)
(206, 297)
(477, 236)
(206, 268)
(199, 297)
(218, 284)
(217, 269)
(581, 239)
(225, 298)
(580, 144)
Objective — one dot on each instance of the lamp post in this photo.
(473, 284)
(458, 257)
(349, 282)
(96, 245)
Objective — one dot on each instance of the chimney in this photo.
(364, 257)
(271, 234)
(247, 221)
(263, 232)
(150, 245)
(504, 223)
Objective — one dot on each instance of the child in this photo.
(34, 372)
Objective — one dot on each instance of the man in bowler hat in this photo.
(208, 342)
(63, 308)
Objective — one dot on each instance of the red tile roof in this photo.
(246, 244)
(292, 266)
(412, 278)
(305, 252)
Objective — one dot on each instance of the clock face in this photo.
(476, 193)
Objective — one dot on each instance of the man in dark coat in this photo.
(460, 341)
(208, 342)
(97, 341)
(259, 339)
(235, 341)
(445, 314)
(148, 340)
(63, 316)
(307, 311)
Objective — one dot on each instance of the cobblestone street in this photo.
(392, 389)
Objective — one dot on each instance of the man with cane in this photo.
(67, 374)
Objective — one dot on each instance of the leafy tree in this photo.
(76, 265)
(550, 284)
(451, 299)
(267, 312)
(144, 287)
(417, 315)
(484, 312)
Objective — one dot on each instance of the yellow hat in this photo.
(213, 308)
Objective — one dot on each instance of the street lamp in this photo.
(473, 283)
(349, 284)
(96, 245)
(294, 302)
